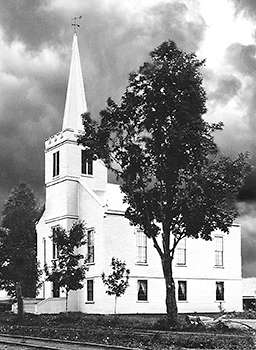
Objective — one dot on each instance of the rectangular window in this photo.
(182, 290)
(218, 251)
(220, 291)
(90, 243)
(44, 244)
(181, 252)
(142, 290)
(54, 246)
(90, 290)
(86, 164)
(55, 252)
(141, 243)
(56, 163)
(55, 255)
(55, 290)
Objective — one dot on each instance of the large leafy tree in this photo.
(175, 182)
(69, 267)
(19, 273)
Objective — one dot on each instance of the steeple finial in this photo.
(75, 25)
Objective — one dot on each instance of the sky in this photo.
(115, 38)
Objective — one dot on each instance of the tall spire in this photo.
(75, 99)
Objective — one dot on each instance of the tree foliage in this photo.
(19, 272)
(118, 281)
(18, 242)
(69, 268)
(176, 183)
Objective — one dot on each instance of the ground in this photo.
(140, 331)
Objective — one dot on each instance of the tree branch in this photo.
(156, 245)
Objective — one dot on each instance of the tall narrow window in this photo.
(44, 245)
(55, 290)
(182, 290)
(90, 290)
(218, 251)
(141, 242)
(90, 243)
(142, 290)
(220, 291)
(56, 163)
(181, 252)
(86, 164)
(55, 252)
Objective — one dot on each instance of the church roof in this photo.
(75, 99)
(115, 198)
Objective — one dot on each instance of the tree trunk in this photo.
(19, 302)
(115, 304)
(67, 301)
(171, 305)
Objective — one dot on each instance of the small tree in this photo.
(117, 282)
(175, 182)
(67, 270)
(19, 272)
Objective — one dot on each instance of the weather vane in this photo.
(74, 24)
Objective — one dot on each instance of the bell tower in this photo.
(66, 168)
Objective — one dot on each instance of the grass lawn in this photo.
(138, 331)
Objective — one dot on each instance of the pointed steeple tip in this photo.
(75, 100)
(74, 24)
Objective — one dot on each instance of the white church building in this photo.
(207, 274)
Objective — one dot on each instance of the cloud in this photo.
(246, 7)
(119, 41)
(242, 57)
(30, 22)
(248, 226)
(232, 99)
(30, 100)
(227, 88)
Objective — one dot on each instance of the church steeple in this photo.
(75, 99)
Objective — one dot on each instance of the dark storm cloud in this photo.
(23, 128)
(242, 57)
(243, 60)
(115, 44)
(29, 22)
(171, 18)
(228, 86)
(248, 226)
(247, 7)
(248, 191)
(237, 87)
(30, 108)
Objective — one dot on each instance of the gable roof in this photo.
(112, 199)
(115, 198)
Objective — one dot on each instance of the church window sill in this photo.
(87, 175)
(141, 264)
